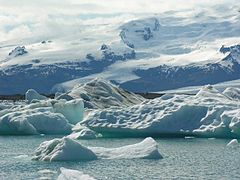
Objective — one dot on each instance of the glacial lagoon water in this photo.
(192, 158)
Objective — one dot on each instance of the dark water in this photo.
(183, 159)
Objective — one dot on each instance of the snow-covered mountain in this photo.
(167, 77)
(141, 53)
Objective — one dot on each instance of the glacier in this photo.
(67, 149)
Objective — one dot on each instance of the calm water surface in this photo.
(183, 159)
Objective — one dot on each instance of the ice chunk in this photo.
(233, 143)
(72, 110)
(66, 149)
(83, 134)
(70, 174)
(31, 95)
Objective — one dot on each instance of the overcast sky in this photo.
(26, 18)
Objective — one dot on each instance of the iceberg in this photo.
(100, 94)
(209, 113)
(34, 121)
(70, 174)
(45, 116)
(67, 149)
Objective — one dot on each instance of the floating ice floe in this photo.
(70, 174)
(99, 93)
(209, 113)
(67, 149)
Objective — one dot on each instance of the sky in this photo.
(28, 18)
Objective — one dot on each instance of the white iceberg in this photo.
(209, 113)
(70, 174)
(41, 117)
(34, 121)
(31, 95)
(67, 149)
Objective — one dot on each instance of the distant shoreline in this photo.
(18, 97)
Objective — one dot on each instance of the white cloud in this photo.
(26, 18)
